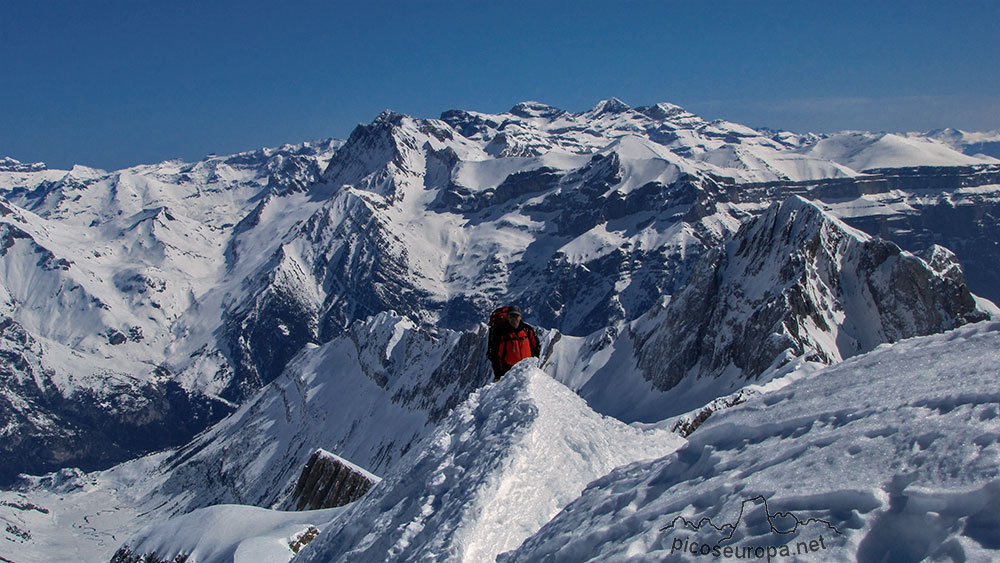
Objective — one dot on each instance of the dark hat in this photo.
(513, 309)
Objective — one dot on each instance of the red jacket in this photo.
(508, 345)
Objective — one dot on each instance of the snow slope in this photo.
(228, 534)
(984, 143)
(370, 396)
(894, 454)
(864, 151)
(499, 467)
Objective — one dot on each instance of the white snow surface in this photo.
(893, 455)
(863, 150)
(231, 534)
(499, 467)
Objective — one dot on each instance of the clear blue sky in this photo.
(115, 83)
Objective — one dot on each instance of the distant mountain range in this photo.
(330, 294)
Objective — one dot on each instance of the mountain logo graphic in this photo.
(728, 529)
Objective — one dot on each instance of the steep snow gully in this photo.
(734, 364)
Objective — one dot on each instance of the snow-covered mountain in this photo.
(330, 294)
(793, 284)
(797, 282)
(860, 150)
(986, 143)
(107, 285)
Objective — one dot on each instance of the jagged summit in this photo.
(664, 111)
(797, 282)
(8, 164)
(609, 106)
(389, 116)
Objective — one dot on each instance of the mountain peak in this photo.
(534, 109)
(611, 105)
(664, 111)
(8, 164)
(389, 117)
(797, 282)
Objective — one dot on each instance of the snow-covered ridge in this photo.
(897, 450)
(811, 450)
(491, 474)
(717, 147)
(984, 143)
(794, 282)
(864, 151)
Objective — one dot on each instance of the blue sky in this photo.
(112, 84)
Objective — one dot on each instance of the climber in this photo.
(510, 340)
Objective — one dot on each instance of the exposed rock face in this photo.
(916, 207)
(798, 282)
(126, 555)
(328, 481)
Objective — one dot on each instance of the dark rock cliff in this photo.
(328, 481)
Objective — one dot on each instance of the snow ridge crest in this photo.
(450, 500)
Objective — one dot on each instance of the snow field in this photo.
(231, 534)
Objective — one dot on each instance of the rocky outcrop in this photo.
(125, 554)
(797, 282)
(328, 481)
